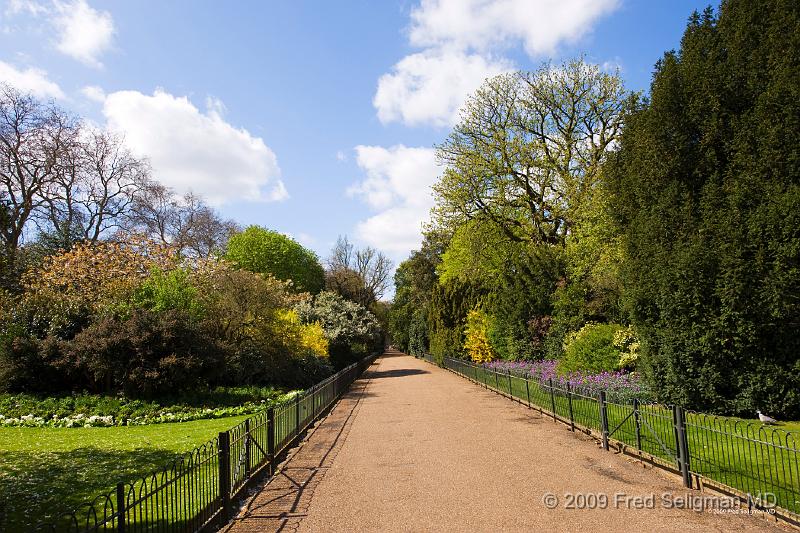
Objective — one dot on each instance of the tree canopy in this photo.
(265, 251)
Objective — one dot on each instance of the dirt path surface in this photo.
(416, 448)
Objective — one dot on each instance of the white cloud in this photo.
(460, 41)
(397, 188)
(193, 150)
(341, 156)
(541, 25)
(32, 80)
(31, 7)
(431, 86)
(306, 239)
(83, 32)
(612, 65)
(94, 93)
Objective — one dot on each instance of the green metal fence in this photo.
(760, 465)
(195, 492)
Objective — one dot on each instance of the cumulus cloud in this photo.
(83, 32)
(32, 80)
(31, 7)
(540, 25)
(94, 93)
(430, 86)
(397, 189)
(460, 42)
(193, 150)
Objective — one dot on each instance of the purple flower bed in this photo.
(621, 385)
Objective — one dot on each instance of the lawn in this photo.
(45, 471)
(743, 454)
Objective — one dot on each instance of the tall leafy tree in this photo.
(706, 188)
(527, 152)
(414, 280)
(265, 251)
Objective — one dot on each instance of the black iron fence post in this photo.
(225, 476)
(510, 394)
(528, 391)
(496, 380)
(604, 419)
(248, 461)
(571, 416)
(121, 514)
(271, 439)
(638, 424)
(681, 445)
(297, 414)
(552, 397)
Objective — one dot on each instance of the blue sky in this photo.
(316, 119)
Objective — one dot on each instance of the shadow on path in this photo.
(397, 373)
(282, 503)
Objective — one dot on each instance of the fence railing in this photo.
(195, 492)
(757, 464)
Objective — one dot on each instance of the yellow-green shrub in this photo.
(476, 341)
(628, 344)
(305, 339)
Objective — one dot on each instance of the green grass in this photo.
(46, 471)
(742, 454)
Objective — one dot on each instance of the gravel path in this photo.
(416, 448)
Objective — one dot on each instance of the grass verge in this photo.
(46, 471)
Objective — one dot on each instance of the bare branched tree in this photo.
(201, 232)
(33, 137)
(97, 182)
(188, 222)
(366, 268)
(62, 182)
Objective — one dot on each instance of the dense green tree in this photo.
(268, 252)
(521, 302)
(449, 305)
(706, 188)
(414, 280)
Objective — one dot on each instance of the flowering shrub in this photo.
(352, 331)
(301, 338)
(102, 411)
(628, 344)
(619, 385)
(476, 341)
(82, 420)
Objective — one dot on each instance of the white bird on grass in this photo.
(766, 419)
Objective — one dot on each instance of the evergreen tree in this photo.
(706, 189)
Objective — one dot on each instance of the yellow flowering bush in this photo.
(628, 344)
(476, 341)
(301, 338)
(313, 338)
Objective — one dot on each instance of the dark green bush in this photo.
(146, 353)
